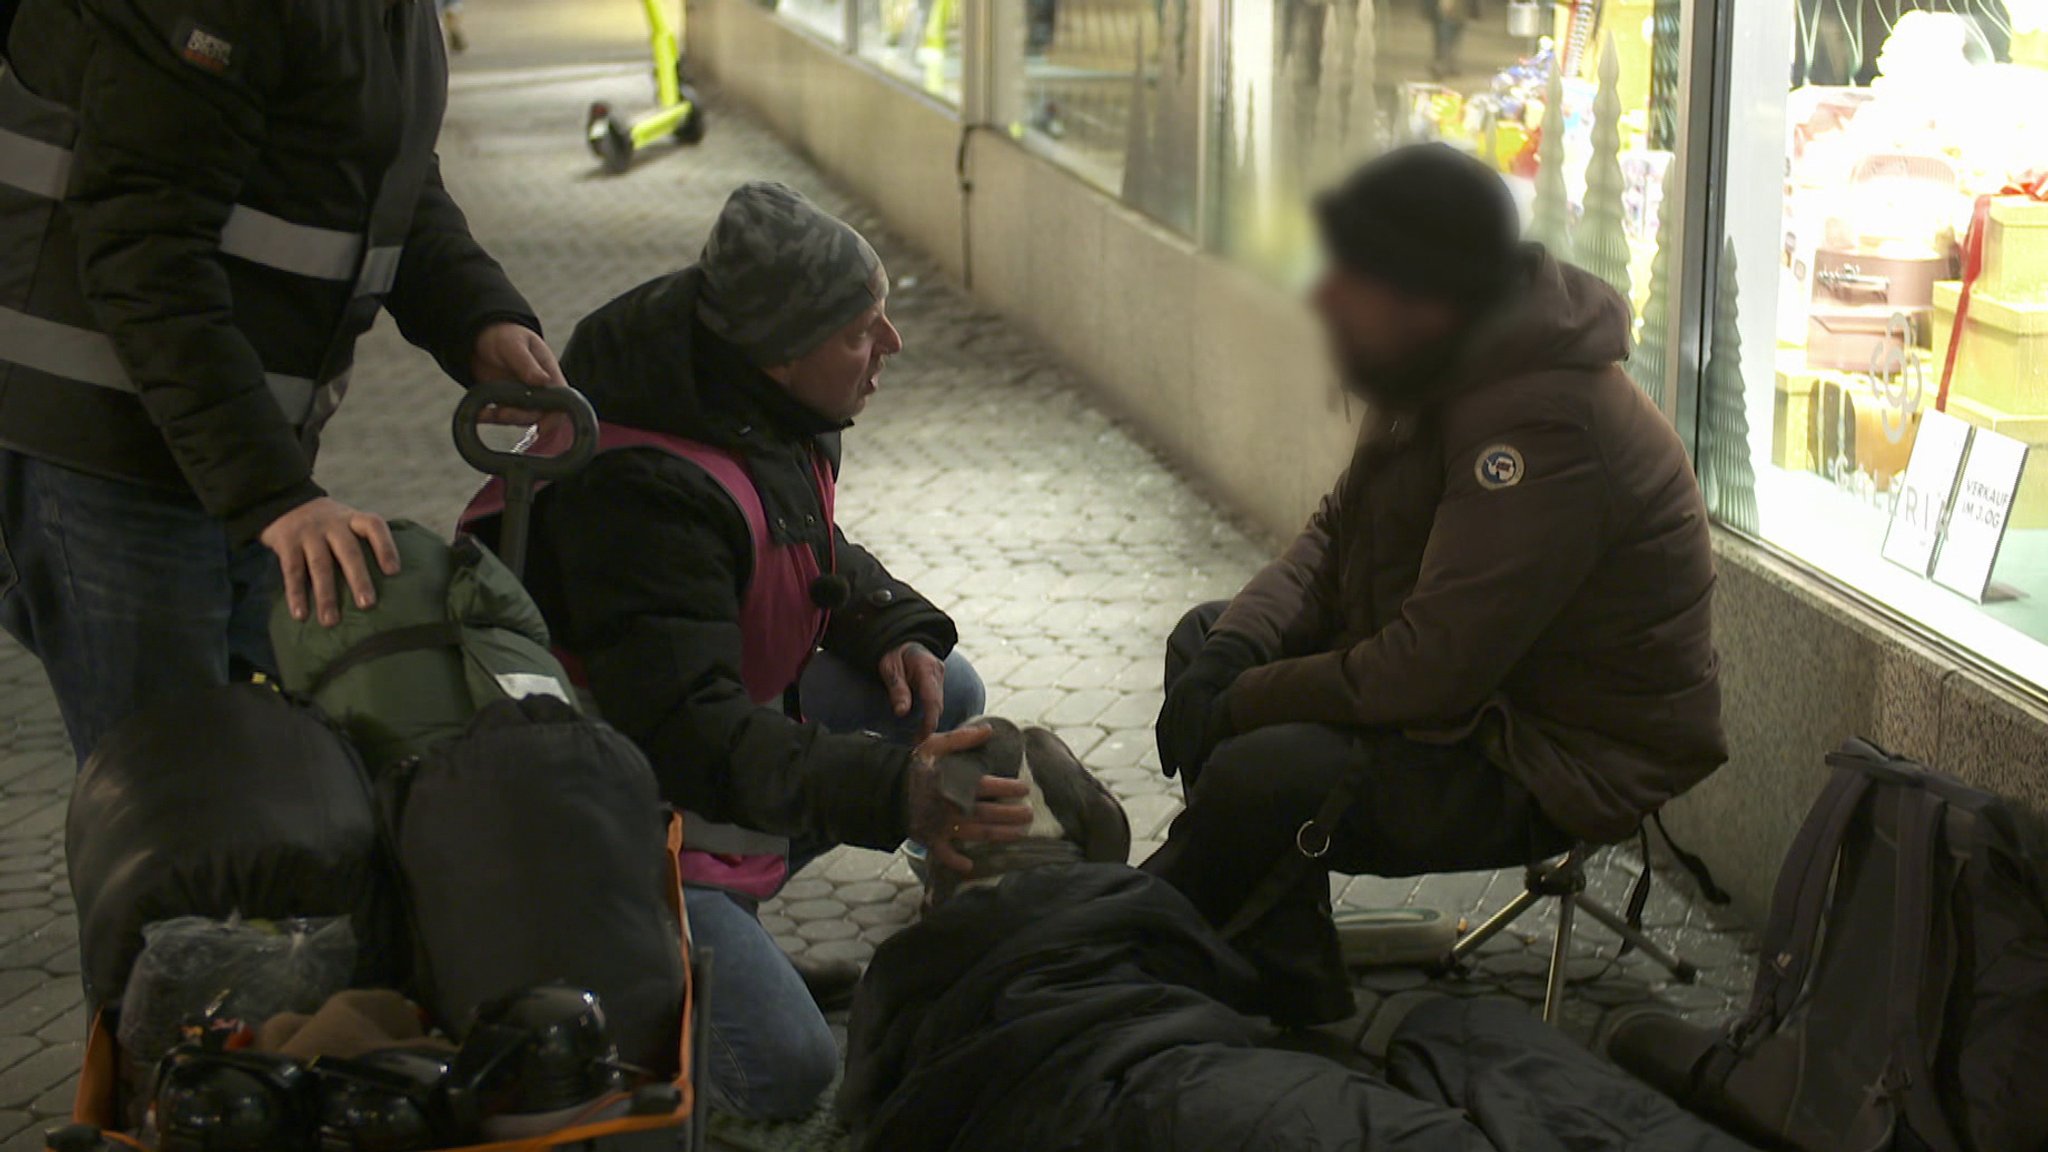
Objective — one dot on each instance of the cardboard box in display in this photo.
(2015, 252)
(1821, 416)
(2002, 364)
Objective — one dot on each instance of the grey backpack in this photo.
(1901, 998)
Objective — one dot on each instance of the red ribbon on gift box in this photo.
(2033, 186)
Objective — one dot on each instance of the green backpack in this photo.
(453, 632)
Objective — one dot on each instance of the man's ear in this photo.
(781, 373)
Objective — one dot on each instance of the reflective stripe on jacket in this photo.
(203, 203)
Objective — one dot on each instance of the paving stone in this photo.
(867, 892)
(820, 931)
(806, 911)
(1150, 815)
(805, 888)
(35, 1074)
(857, 951)
(876, 915)
(857, 866)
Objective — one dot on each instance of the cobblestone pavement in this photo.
(984, 475)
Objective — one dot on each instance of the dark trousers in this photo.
(1420, 808)
(125, 594)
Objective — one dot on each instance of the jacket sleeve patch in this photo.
(1498, 466)
(202, 47)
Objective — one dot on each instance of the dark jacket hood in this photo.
(1561, 318)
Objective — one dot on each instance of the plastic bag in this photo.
(193, 968)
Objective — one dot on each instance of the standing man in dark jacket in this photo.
(773, 671)
(1494, 638)
(202, 204)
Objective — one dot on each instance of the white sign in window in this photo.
(1983, 505)
(1924, 495)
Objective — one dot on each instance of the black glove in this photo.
(1196, 716)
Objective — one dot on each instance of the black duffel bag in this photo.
(533, 849)
(220, 802)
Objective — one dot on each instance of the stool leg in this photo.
(1680, 969)
(1463, 949)
(1560, 951)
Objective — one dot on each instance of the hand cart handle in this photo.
(522, 470)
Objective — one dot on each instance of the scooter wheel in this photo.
(691, 130)
(595, 127)
(615, 148)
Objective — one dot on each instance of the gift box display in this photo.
(1832, 423)
(2001, 364)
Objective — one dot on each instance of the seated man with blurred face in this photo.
(776, 675)
(1493, 639)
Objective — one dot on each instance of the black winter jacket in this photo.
(203, 204)
(640, 564)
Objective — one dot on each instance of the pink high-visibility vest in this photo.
(780, 627)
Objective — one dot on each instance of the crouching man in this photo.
(775, 674)
(1492, 640)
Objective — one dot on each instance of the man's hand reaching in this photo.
(1000, 814)
(914, 676)
(514, 352)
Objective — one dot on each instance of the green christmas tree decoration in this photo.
(1727, 476)
(1333, 94)
(1601, 242)
(1550, 221)
(1666, 72)
(1646, 366)
(1362, 122)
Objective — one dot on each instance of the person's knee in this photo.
(1245, 773)
(966, 695)
(789, 1080)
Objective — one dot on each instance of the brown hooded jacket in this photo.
(1526, 558)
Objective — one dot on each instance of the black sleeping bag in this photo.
(1088, 1006)
(221, 801)
(1531, 1089)
(534, 849)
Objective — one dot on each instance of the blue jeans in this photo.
(125, 593)
(771, 1054)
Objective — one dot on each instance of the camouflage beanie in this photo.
(780, 275)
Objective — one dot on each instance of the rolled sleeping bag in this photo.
(534, 850)
(217, 802)
(453, 631)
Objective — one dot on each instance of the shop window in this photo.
(1575, 104)
(1110, 87)
(1876, 387)
(917, 41)
(824, 18)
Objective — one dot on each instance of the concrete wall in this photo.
(1228, 377)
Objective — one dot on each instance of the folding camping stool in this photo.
(1563, 879)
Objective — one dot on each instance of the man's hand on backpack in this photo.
(315, 537)
(1001, 813)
